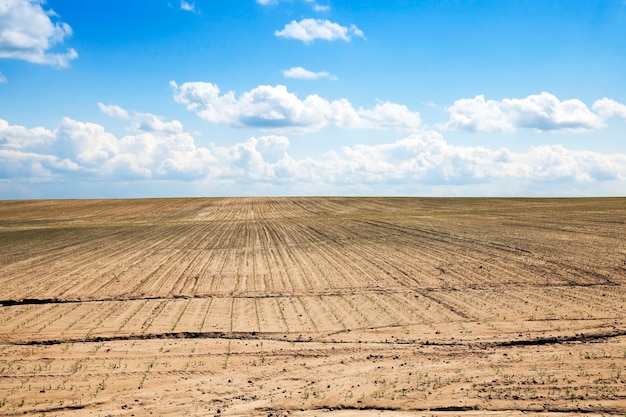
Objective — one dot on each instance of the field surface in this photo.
(313, 306)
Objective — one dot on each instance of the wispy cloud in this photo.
(542, 112)
(113, 111)
(141, 122)
(275, 108)
(28, 32)
(320, 8)
(304, 74)
(189, 6)
(308, 30)
(315, 6)
(3, 79)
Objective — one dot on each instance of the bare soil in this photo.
(313, 306)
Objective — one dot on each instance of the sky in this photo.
(181, 98)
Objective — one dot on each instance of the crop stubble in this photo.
(277, 305)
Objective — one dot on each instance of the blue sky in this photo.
(163, 98)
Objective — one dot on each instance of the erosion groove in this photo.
(425, 292)
(252, 306)
(584, 338)
(151, 336)
(454, 408)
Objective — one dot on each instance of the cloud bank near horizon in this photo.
(161, 150)
(157, 149)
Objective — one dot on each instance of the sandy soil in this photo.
(313, 306)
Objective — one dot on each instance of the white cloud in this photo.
(356, 31)
(608, 108)
(420, 163)
(428, 158)
(304, 74)
(142, 122)
(188, 6)
(308, 30)
(87, 144)
(155, 149)
(421, 160)
(3, 79)
(258, 159)
(275, 108)
(319, 8)
(478, 115)
(542, 112)
(264, 107)
(113, 111)
(146, 122)
(27, 32)
(20, 138)
(388, 115)
(316, 7)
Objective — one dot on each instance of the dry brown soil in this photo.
(313, 306)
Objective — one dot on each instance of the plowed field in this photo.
(306, 306)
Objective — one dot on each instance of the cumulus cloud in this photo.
(423, 159)
(262, 159)
(146, 122)
(308, 30)
(428, 158)
(142, 122)
(155, 149)
(30, 33)
(542, 112)
(161, 149)
(607, 108)
(304, 74)
(275, 108)
(388, 115)
(20, 138)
